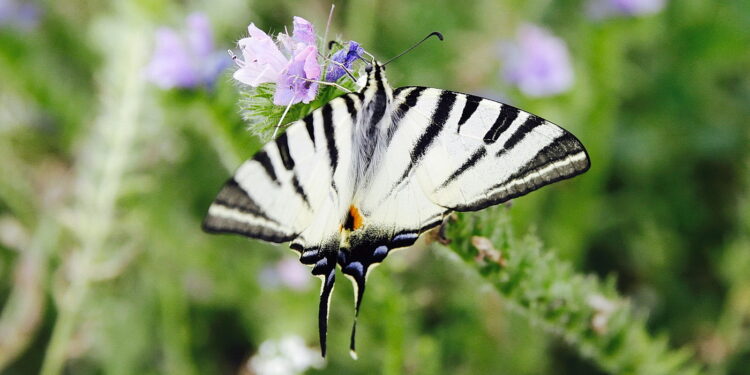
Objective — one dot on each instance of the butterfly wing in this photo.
(275, 195)
(295, 189)
(470, 153)
(451, 151)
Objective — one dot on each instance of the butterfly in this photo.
(370, 171)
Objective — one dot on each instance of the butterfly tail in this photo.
(357, 273)
(326, 269)
(355, 265)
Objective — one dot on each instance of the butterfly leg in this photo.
(441, 237)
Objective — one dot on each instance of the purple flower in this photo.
(599, 9)
(295, 84)
(303, 31)
(346, 57)
(538, 62)
(21, 16)
(264, 62)
(303, 35)
(186, 59)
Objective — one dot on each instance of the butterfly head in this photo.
(375, 73)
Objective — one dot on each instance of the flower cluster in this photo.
(289, 62)
(185, 59)
(538, 62)
(344, 58)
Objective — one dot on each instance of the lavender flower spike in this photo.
(293, 85)
(346, 57)
(538, 63)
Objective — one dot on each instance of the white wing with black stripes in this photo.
(297, 188)
(470, 153)
(276, 195)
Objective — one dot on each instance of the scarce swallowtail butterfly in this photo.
(370, 171)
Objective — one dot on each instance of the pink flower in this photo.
(263, 62)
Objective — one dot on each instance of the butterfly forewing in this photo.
(485, 153)
(276, 195)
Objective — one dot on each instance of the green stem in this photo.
(583, 310)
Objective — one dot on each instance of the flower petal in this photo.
(303, 31)
(263, 62)
(345, 57)
(293, 85)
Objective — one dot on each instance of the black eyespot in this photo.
(368, 68)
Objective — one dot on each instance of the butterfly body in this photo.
(370, 171)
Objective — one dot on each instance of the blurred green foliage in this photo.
(104, 269)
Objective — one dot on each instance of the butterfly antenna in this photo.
(434, 33)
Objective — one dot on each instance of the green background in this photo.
(105, 178)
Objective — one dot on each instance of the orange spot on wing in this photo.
(356, 217)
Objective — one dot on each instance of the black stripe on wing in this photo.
(527, 127)
(437, 122)
(328, 130)
(563, 158)
(472, 161)
(350, 106)
(506, 117)
(282, 144)
(310, 126)
(262, 158)
(408, 103)
(472, 103)
(233, 198)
